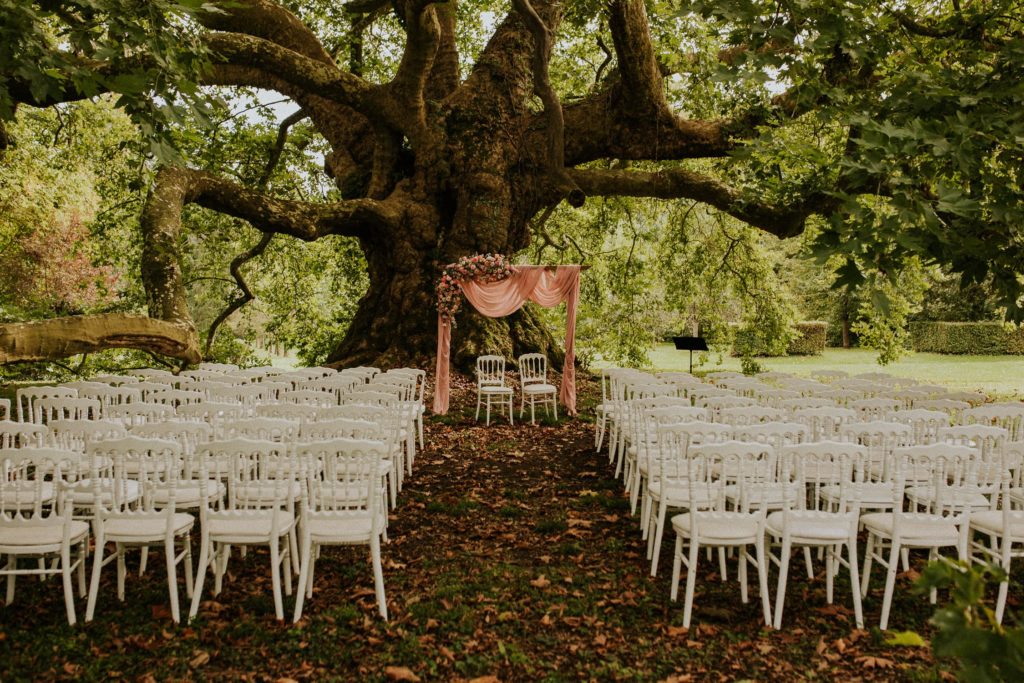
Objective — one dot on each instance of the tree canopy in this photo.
(889, 135)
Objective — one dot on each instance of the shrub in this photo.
(980, 338)
(810, 339)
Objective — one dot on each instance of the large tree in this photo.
(900, 125)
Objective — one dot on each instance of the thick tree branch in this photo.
(62, 337)
(313, 76)
(542, 43)
(641, 81)
(245, 295)
(271, 21)
(444, 74)
(680, 183)
(422, 32)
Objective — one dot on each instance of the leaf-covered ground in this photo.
(512, 557)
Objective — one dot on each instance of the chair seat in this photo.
(247, 525)
(21, 495)
(809, 526)
(724, 527)
(925, 530)
(991, 522)
(189, 494)
(267, 491)
(27, 536)
(872, 495)
(82, 494)
(132, 528)
(495, 390)
(767, 495)
(540, 389)
(677, 494)
(954, 497)
(342, 528)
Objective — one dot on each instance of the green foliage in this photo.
(975, 338)
(809, 340)
(151, 51)
(966, 629)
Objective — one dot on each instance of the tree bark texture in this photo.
(431, 167)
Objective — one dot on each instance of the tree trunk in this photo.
(396, 320)
(846, 330)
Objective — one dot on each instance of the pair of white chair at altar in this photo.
(533, 382)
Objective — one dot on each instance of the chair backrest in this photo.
(942, 468)
(746, 468)
(150, 462)
(177, 397)
(343, 428)
(490, 371)
(772, 397)
(842, 397)
(32, 485)
(76, 435)
(26, 397)
(116, 380)
(716, 404)
(825, 423)
(829, 376)
(111, 396)
(925, 423)
(289, 411)
(990, 441)
(151, 374)
(211, 413)
(974, 398)
(5, 409)
(1009, 416)
(793, 405)
(951, 407)
(63, 408)
(370, 398)
(350, 483)
(308, 397)
(748, 415)
(22, 434)
(706, 391)
(190, 435)
(722, 374)
(219, 367)
(776, 434)
(140, 413)
(874, 408)
(823, 464)
(533, 368)
(277, 430)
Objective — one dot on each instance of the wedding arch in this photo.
(497, 288)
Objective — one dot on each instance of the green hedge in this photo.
(982, 339)
(809, 341)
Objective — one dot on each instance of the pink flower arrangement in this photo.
(482, 267)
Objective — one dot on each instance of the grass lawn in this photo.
(1001, 376)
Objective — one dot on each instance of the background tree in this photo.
(900, 126)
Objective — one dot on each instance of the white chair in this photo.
(925, 423)
(901, 529)
(533, 383)
(47, 410)
(26, 397)
(1003, 527)
(135, 520)
(36, 522)
(288, 411)
(265, 486)
(795, 525)
(21, 434)
(343, 507)
(131, 414)
(707, 521)
(490, 386)
(825, 422)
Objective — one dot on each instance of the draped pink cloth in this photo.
(540, 284)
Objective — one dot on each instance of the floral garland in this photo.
(483, 267)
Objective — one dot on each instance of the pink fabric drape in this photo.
(540, 284)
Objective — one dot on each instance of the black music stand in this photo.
(690, 344)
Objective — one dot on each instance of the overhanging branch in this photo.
(680, 183)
